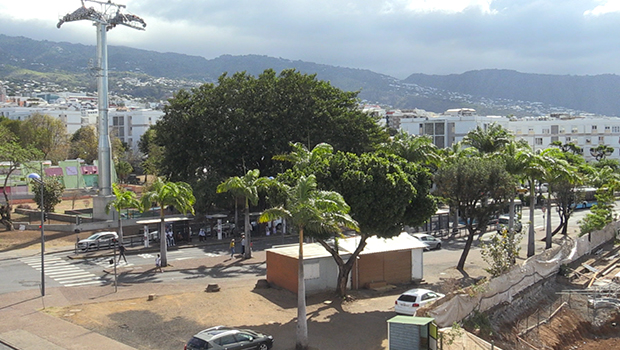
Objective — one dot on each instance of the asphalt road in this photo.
(21, 272)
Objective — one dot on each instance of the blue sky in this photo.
(396, 37)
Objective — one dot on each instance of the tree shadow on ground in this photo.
(36, 240)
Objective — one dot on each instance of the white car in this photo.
(409, 302)
(99, 240)
(431, 242)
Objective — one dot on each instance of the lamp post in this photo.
(37, 178)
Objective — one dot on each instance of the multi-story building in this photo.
(585, 132)
(128, 124)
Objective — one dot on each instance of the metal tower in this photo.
(108, 17)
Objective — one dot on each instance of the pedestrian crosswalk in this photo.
(68, 274)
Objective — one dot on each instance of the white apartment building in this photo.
(539, 132)
(128, 124)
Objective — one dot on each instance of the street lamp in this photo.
(37, 178)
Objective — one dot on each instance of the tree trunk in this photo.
(565, 225)
(511, 215)
(470, 238)
(163, 248)
(5, 217)
(548, 230)
(5, 211)
(248, 251)
(120, 229)
(302, 321)
(344, 269)
(531, 248)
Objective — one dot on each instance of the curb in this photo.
(7, 344)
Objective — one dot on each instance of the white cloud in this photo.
(396, 37)
(449, 6)
(607, 6)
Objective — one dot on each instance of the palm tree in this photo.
(534, 167)
(489, 140)
(163, 193)
(301, 157)
(314, 211)
(556, 171)
(124, 200)
(417, 149)
(247, 187)
(516, 167)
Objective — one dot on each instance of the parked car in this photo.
(502, 222)
(222, 337)
(409, 302)
(431, 242)
(98, 240)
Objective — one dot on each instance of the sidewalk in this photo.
(31, 327)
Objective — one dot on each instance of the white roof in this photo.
(347, 246)
(376, 245)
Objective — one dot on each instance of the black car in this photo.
(221, 338)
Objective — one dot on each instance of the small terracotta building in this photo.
(383, 261)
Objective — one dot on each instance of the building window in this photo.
(554, 129)
(440, 142)
(601, 140)
(518, 132)
(440, 128)
(568, 139)
(594, 128)
(588, 141)
(546, 131)
(538, 141)
(555, 138)
(428, 129)
(615, 129)
(574, 129)
(562, 130)
(530, 130)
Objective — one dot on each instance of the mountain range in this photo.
(152, 75)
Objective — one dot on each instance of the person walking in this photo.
(121, 254)
(158, 263)
(243, 245)
(232, 248)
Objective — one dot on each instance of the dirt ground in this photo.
(176, 313)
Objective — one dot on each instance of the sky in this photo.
(394, 37)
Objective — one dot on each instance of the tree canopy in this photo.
(225, 129)
(479, 188)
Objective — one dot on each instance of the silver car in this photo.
(99, 240)
(431, 242)
(226, 338)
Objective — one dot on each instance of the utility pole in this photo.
(105, 19)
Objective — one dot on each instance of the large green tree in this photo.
(385, 192)
(320, 213)
(52, 193)
(13, 154)
(162, 194)
(45, 133)
(479, 188)
(225, 129)
(83, 144)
